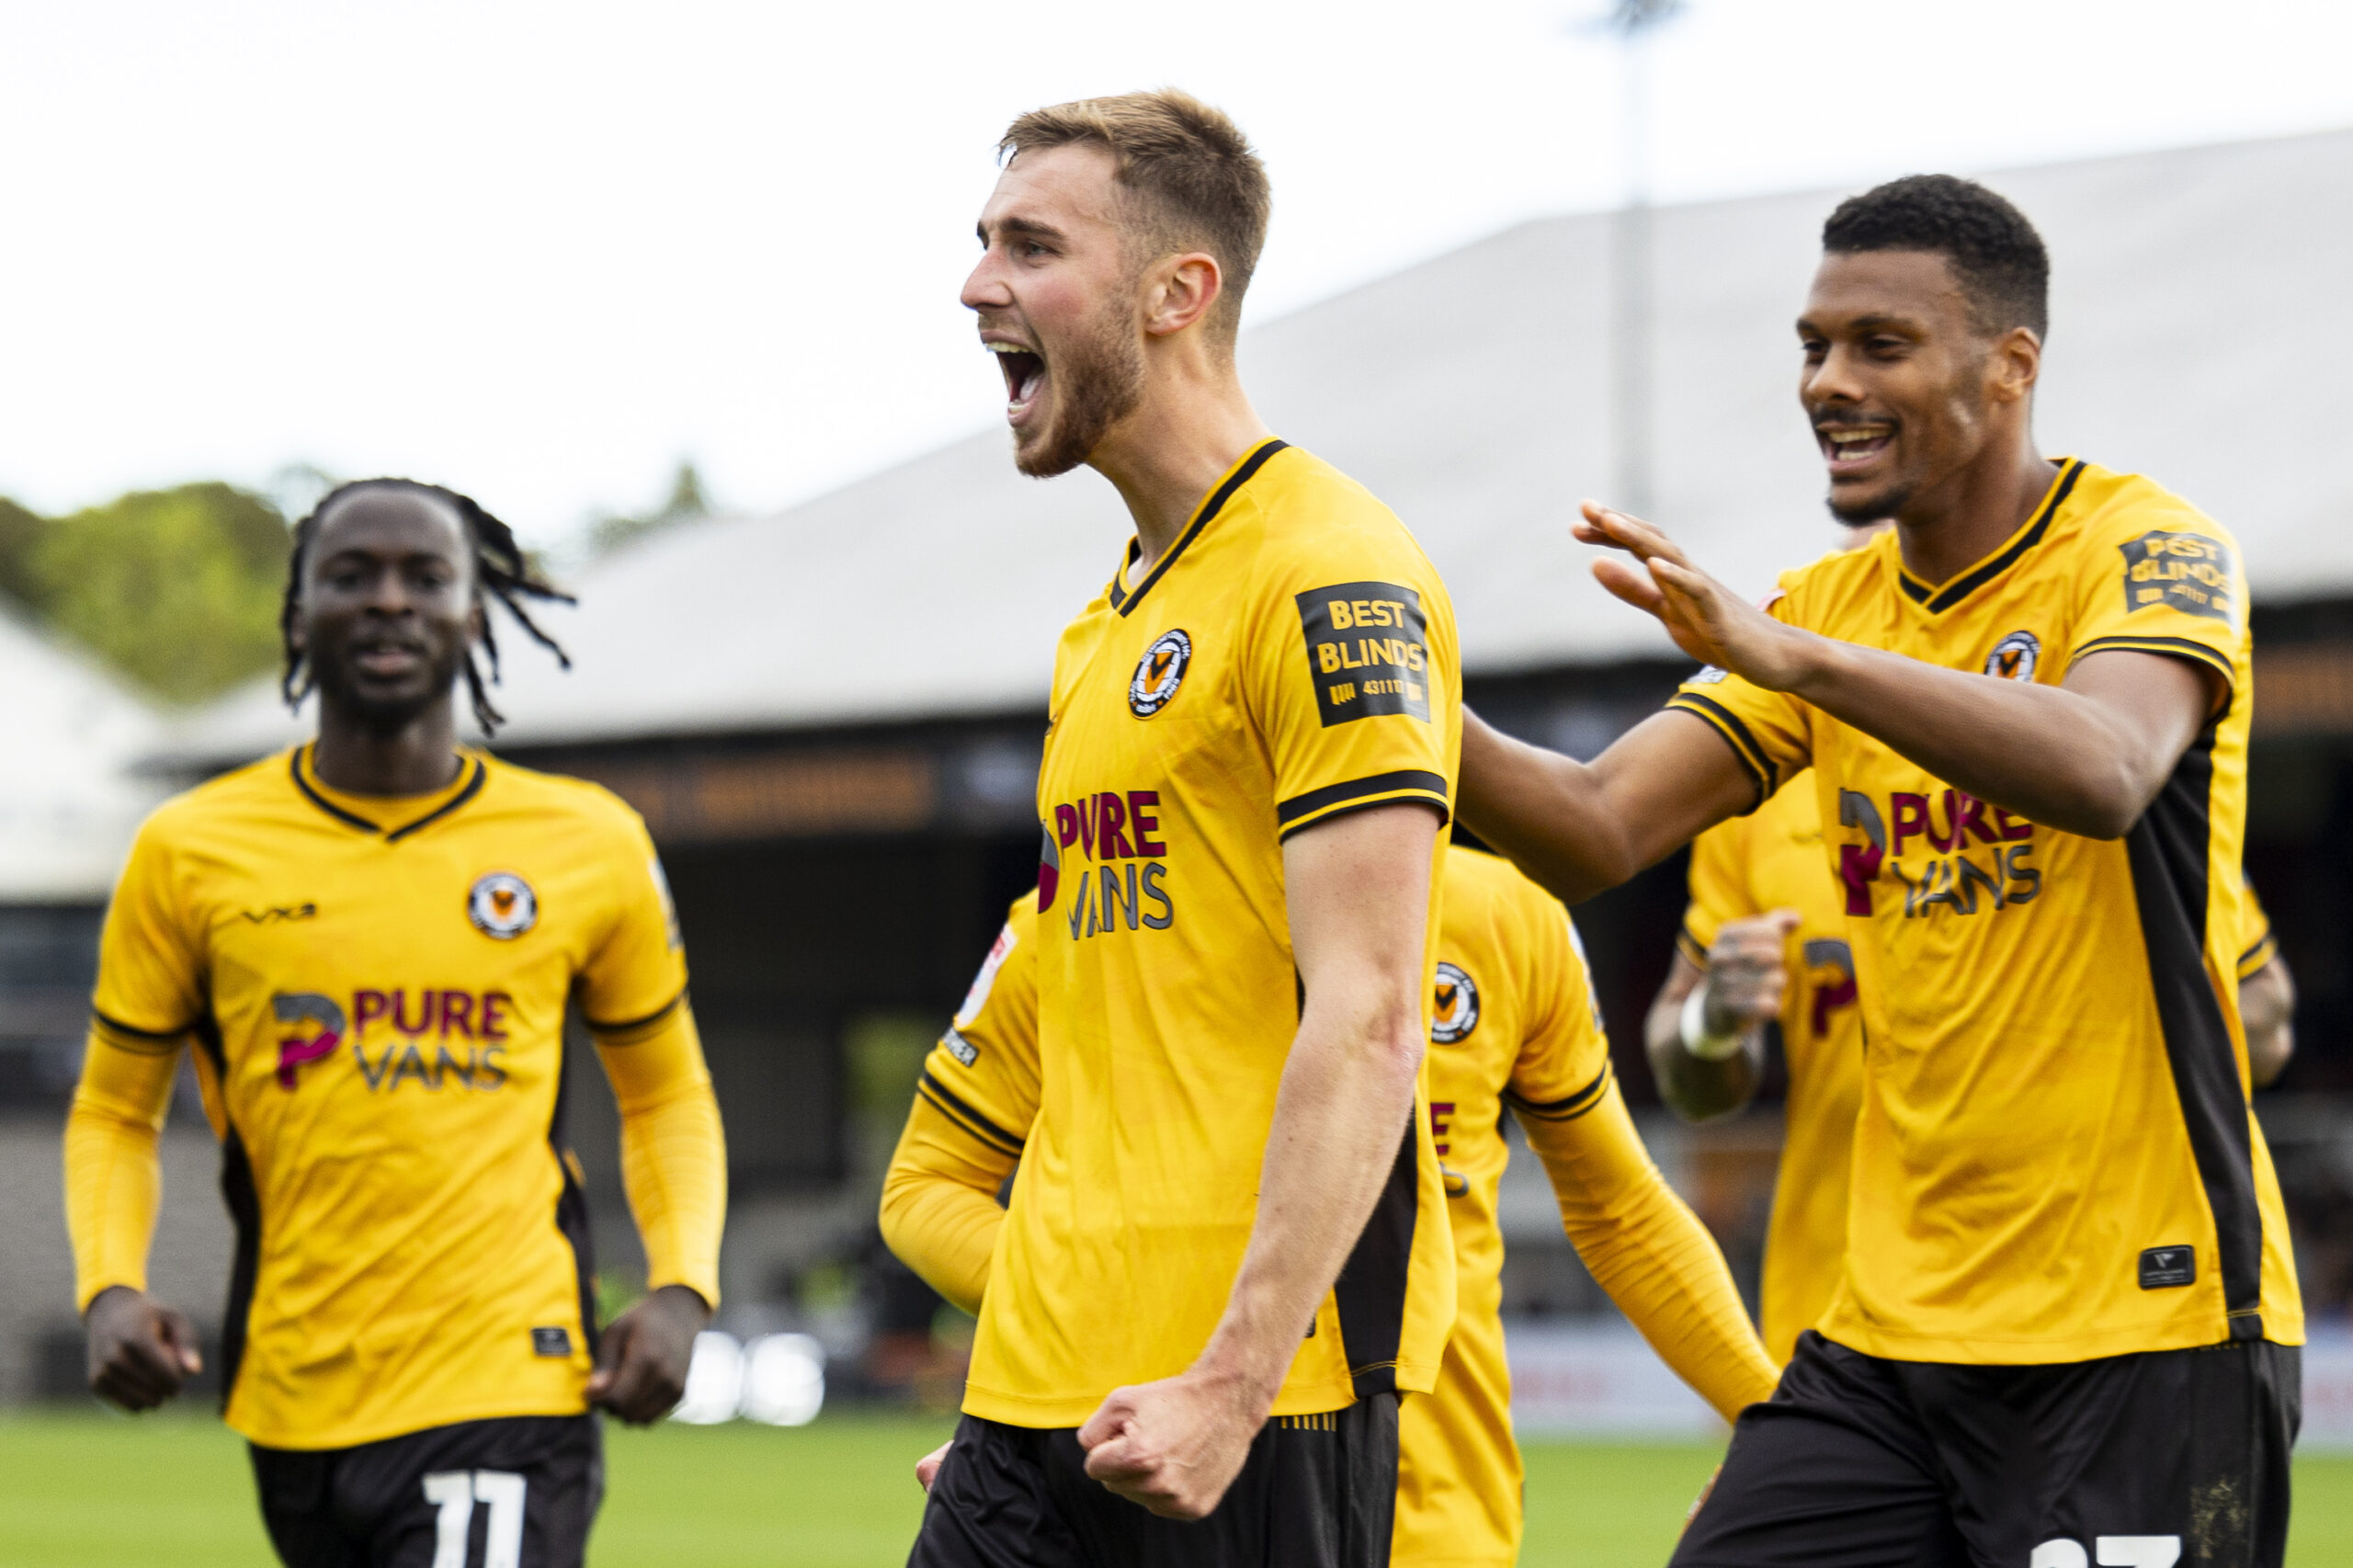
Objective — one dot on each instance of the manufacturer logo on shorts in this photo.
(502, 905)
(1456, 1013)
(2162, 1269)
(1159, 672)
(2014, 656)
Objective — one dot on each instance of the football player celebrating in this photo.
(1514, 1027)
(372, 940)
(2068, 1315)
(1252, 746)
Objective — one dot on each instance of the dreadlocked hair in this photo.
(501, 572)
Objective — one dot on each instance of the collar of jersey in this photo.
(1940, 598)
(349, 809)
(1236, 478)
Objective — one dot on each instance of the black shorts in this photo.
(517, 1491)
(2172, 1456)
(1316, 1492)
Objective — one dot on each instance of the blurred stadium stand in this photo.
(831, 717)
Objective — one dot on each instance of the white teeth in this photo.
(1005, 348)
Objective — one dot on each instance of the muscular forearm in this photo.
(939, 1209)
(1650, 1251)
(1346, 1100)
(674, 1153)
(1579, 828)
(2057, 755)
(113, 1179)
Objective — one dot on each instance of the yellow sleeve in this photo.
(151, 989)
(2160, 577)
(1352, 677)
(114, 1182)
(1769, 732)
(973, 1108)
(1719, 887)
(674, 1152)
(639, 969)
(1650, 1251)
(2257, 943)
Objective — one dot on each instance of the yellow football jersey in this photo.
(379, 1006)
(1292, 657)
(1514, 1026)
(2056, 1157)
(1769, 859)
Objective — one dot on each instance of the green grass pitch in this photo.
(88, 1489)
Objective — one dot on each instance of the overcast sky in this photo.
(541, 252)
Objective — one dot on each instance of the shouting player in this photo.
(2066, 1327)
(371, 941)
(1251, 749)
(1514, 1029)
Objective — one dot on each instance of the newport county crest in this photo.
(2014, 656)
(502, 906)
(1158, 672)
(1457, 1010)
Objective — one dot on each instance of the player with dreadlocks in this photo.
(371, 939)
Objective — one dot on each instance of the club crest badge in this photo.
(1158, 672)
(2014, 656)
(502, 906)
(1456, 1013)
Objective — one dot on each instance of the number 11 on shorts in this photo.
(2112, 1552)
(455, 1493)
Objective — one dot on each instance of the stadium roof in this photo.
(2200, 324)
(68, 800)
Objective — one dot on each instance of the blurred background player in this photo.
(372, 940)
(1251, 750)
(1514, 1027)
(2069, 1318)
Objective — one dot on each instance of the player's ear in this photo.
(1179, 291)
(2014, 364)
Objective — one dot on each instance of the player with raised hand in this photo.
(1514, 1029)
(2068, 1316)
(372, 940)
(1230, 1210)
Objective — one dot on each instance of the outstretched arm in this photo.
(1578, 828)
(674, 1167)
(2086, 756)
(1358, 888)
(1650, 1251)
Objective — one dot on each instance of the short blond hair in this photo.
(1194, 177)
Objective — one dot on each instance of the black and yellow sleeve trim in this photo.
(2179, 647)
(1687, 943)
(1737, 734)
(949, 1105)
(1377, 789)
(1938, 600)
(635, 1030)
(1569, 1106)
(2265, 948)
(146, 1042)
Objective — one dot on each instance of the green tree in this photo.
(177, 589)
(20, 532)
(686, 504)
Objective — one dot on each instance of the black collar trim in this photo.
(1938, 600)
(353, 819)
(1125, 603)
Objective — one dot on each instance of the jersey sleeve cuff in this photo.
(2179, 647)
(2265, 948)
(1568, 1107)
(1687, 943)
(957, 1109)
(131, 1038)
(1405, 784)
(629, 1031)
(1737, 734)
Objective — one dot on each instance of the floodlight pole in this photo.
(1632, 260)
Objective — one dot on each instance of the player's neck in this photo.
(417, 758)
(1951, 526)
(1194, 423)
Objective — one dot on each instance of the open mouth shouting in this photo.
(1851, 446)
(1025, 378)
